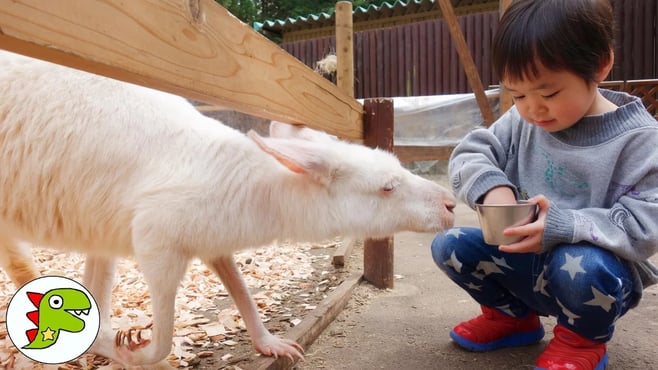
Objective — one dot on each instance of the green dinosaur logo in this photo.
(57, 310)
(52, 320)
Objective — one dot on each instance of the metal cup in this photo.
(494, 218)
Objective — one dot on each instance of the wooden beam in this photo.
(467, 60)
(344, 48)
(408, 154)
(343, 250)
(378, 133)
(193, 48)
(506, 101)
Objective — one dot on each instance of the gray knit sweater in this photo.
(600, 175)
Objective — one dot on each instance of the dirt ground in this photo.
(407, 327)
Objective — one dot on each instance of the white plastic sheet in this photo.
(438, 119)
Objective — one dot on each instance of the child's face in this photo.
(555, 100)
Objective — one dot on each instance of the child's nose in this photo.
(537, 107)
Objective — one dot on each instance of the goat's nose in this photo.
(450, 205)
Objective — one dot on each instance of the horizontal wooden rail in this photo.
(193, 48)
(408, 154)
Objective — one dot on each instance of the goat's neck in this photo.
(292, 206)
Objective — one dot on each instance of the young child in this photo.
(588, 158)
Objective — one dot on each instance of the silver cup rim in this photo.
(521, 203)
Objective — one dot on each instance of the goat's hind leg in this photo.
(16, 260)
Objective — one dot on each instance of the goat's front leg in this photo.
(263, 341)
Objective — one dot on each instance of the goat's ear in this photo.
(285, 130)
(299, 156)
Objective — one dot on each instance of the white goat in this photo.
(112, 169)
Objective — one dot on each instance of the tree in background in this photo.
(245, 10)
(250, 11)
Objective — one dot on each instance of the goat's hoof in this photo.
(131, 340)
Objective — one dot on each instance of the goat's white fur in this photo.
(112, 169)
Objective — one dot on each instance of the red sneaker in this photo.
(570, 351)
(493, 329)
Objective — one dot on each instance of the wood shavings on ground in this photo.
(287, 281)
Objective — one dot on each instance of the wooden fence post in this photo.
(378, 133)
(344, 48)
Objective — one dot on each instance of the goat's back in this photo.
(77, 151)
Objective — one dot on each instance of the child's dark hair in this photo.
(573, 35)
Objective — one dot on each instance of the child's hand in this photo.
(533, 232)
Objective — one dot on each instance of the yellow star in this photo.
(48, 334)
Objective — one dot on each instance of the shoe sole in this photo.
(600, 366)
(514, 340)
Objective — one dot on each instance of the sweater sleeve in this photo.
(477, 162)
(629, 228)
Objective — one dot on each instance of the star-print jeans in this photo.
(587, 288)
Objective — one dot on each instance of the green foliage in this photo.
(250, 11)
(245, 10)
(282, 9)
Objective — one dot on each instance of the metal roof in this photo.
(394, 8)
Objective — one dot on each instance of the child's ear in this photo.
(605, 68)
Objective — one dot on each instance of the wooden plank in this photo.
(627, 42)
(344, 47)
(193, 48)
(381, 78)
(423, 75)
(388, 63)
(619, 33)
(400, 52)
(506, 100)
(415, 46)
(637, 36)
(648, 38)
(365, 68)
(475, 39)
(408, 154)
(313, 324)
(487, 36)
(378, 133)
(466, 60)
(446, 68)
(431, 61)
(343, 250)
(462, 75)
(408, 61)
(359, 65)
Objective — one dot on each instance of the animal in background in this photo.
(113, 169)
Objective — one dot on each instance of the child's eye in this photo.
(550, 95)
(518, 97)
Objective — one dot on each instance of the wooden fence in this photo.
(420, 58)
